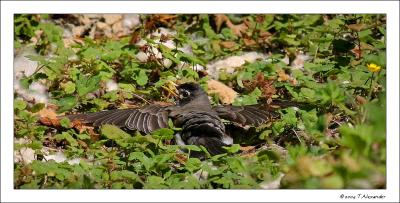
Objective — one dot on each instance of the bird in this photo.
(200, 122)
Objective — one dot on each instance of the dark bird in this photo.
(201, 123)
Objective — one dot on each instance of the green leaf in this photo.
(85, 85)
(64, 122)
(37, 107)
(249, 99)
(113, 132)
(233, 149)
(67, 136)
(65, 103)
(91, 54)
(192, 148)
(168, 54)
(54, 33)
(19, 104)
(146, 161)
(163, 133)
(192, 164)
(141, 78)
(69, 87)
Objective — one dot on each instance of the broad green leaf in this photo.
(66, 103)
(19, 104)
(85, 85)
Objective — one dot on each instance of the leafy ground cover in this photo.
(333, 63)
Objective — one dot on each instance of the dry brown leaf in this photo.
(282, 76)
(220, 19)
(247, 148)
(361, 100)
(166, 18)
(265, 85)
(367, 46)
(356, 27)
(237, 29)
(49, 121)
(357, 52)
(82, 143)
(249, 42)
(181, 158)
(228, 44)
(248, 151)
(226, 94)
(48, 113)
(264, 34)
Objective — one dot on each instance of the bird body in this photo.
(201, 123)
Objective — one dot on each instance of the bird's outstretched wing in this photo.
(146, 119)
(246, 115)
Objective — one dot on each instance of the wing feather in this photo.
(146, 119)
(246, 115)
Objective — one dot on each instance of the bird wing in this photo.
(246, 115)
(146, 119)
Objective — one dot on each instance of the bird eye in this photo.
(184, 94)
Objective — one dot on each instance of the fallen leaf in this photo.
(282, 76)
(249, 42)
(264, 34)
(247, 148)
(82, 143)
(48, 116)
(48, 112)
(265, 85)
(367, 46)
(357, 52)
(237, 29)
(226, 94)
(228, 44)
(361, 100)
(356, 27)
(219, 19)
(181, 158)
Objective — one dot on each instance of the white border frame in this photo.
(391, 8)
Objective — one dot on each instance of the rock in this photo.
(78, 31)
(102, 26)
(112, 18)
(275, 184)
(131, 20)
(24, 155)
(230, 64)
(37, 92)
(298, 62)
(111, 85)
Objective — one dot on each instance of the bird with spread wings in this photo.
(201, 123)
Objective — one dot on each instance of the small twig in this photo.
(44, 182)
(139, 97)
(316, 52)
(297, 135)
(170, 91)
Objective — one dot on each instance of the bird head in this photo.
(189, 92)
